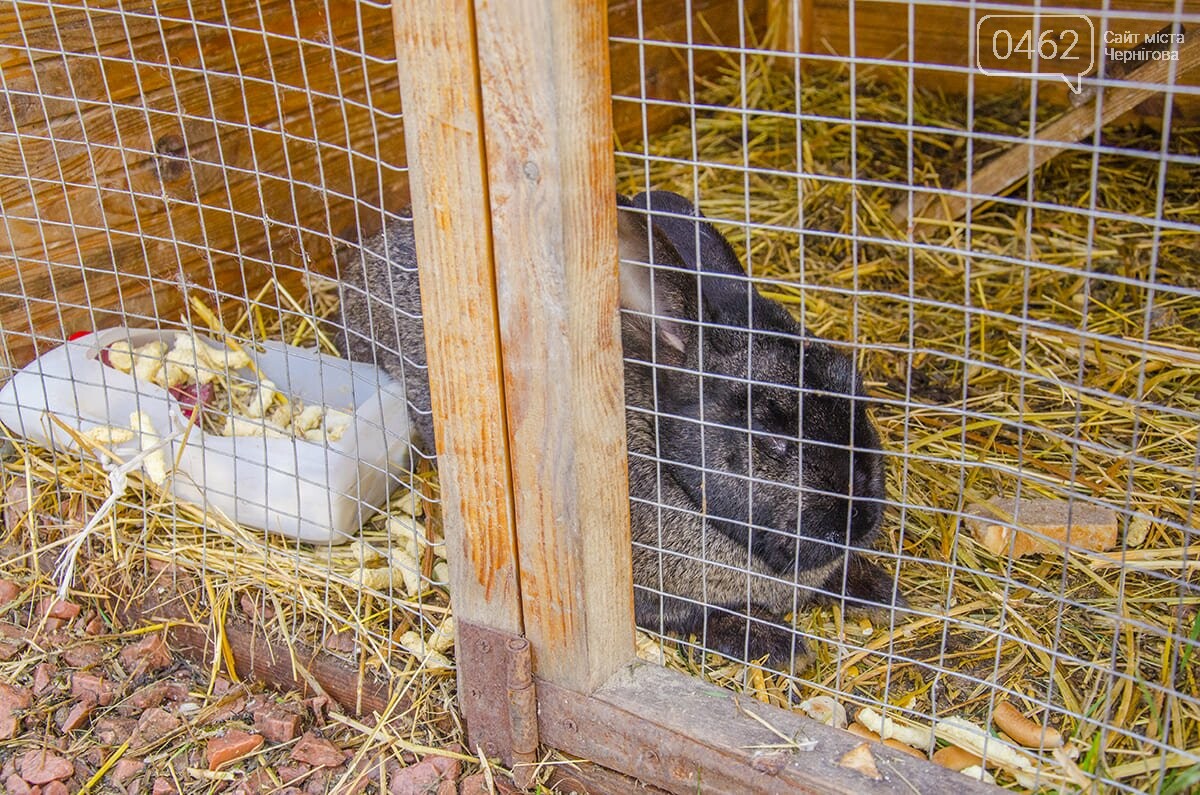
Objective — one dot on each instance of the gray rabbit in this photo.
(754, 469)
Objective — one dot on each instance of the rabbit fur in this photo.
(755, 471)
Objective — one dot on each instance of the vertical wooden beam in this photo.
(544, 75)
(435, 45)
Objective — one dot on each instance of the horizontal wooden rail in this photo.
(682, 735)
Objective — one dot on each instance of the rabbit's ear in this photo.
(698, 242)
(654, 283)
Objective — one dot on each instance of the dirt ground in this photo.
(89, 705)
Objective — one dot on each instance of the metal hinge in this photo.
(497, 695)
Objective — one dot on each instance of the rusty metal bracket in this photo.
(498, 698)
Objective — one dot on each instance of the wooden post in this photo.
(548, 127)
(509, 145)
(435, 44)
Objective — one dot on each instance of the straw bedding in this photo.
(983, 385)
(1008, 357)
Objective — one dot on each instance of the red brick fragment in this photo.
(153, 725)
(15, 785)
(147, 655)
(255, 610)
(277, 724)
(112, 730)
(224, 712)
(43, 675)
(78, 715)
(320, 707)
(55, 788)
(83, 655)
(95, 626)
(152, 695)
(12, 701)
(426, 776)
(234, 745)
(42, 767)
(8, 592)
(478, 785)
(289, 773)
(58, 608)
(163, 786)
(342, 642)
(99, 688)
(126, 769)
(317, 751)
(12, 640)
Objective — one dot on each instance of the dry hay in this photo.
(984, 386)
(351, 601)
(978, 621)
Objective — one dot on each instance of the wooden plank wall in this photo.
(941, 35)
(174, 142)
(170, 140)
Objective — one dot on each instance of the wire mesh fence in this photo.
(1028, 352)
(911, 410)
(180, 181)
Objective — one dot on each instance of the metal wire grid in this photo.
(242, 147)
(1011, 582)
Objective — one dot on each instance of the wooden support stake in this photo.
(544, 75)
(1016, 164)
(439, 84)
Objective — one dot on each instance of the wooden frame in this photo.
(508, 127)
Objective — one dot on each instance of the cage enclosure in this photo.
(791, 396)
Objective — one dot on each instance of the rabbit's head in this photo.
(766, 432)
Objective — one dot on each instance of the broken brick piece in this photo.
(289, 773)
(99, 688)
(83, 655)
(477, 784)
(1016, 528)
(8, 592)
(277, 724)
(428, 775)
(317, 751)
(78, 715)
(58, 608)
(147, 655)
(234, 745)
(163, 786)
(94, 626)
(12, 640)
(12, 701)
(15, 785)
(55, 788)
(153, 725)
(42, 767)
(113, 730)
(126, 769)
(43, 675)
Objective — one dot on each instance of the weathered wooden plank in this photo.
(943, 35)
(91, 114)
(1014, 164)
(444, 137)
(685, 736)
(206, 169)
(546, 108)
(659, 71)
(244, 230)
